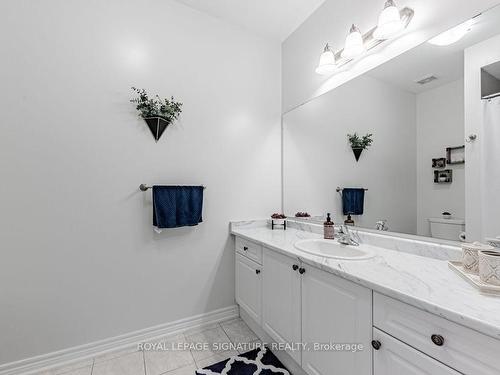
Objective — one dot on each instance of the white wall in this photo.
(318, 158)
(79, 259)
(440, 124)
(482, 176)
(331, 22)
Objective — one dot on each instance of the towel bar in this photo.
(144, 187)
(340, 189)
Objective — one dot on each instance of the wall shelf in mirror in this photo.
(455, 155)
(439, 163)
(443, 177)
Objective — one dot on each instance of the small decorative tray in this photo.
(474, 280)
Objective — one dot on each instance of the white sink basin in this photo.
(332, 249)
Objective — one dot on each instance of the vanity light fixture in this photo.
(327, 61)
(354, 45)
(389, 22)
(452, 35)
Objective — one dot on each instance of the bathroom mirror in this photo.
(414, 173)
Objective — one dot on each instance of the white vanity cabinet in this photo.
(248, 274)
(296, 303)
(281, 299)
(304, 304)
(339, 311)
(394, 357)
(459, 347)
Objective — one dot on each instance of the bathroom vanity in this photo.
(409, 311)
(423, 125)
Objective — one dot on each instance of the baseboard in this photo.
(79, 353)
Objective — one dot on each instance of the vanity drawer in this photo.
(463, 349)
(393, 357)
(249, 249)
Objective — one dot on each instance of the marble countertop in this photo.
(420, 281)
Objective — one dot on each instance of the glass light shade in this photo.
(453, 35)
(354, 45)
(326, 62)
(389, 22)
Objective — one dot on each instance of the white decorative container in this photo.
(495, 242)
(489, 267)
(470, 256)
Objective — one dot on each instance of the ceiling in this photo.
(276, 19)
(446, 63)
(494, 70)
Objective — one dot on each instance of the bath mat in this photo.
(260, 361)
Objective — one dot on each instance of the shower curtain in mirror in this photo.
(491, 168)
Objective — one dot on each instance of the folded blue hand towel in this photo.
(353, 201)
(177, 206)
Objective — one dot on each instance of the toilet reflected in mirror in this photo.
(447, 229)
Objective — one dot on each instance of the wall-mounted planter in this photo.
(358, 144)
(357, 152)
(157, 125)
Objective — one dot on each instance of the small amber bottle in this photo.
(328, 228)
(349, 220)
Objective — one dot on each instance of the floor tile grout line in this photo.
(194, 360)
(118, 355)
(201, 330)
(144, 362)
(190, 351)
(229, 338)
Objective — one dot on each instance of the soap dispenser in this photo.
(349, 220)
(328, 228)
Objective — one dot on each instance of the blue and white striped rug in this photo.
(259, 361)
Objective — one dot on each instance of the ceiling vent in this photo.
(426, 80)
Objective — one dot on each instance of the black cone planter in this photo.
(357, 153)
(157, 126)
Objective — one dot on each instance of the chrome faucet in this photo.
(345, 236)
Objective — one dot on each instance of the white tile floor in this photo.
(135, 362)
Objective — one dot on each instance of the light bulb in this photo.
(453, 35)
(354, 45)
(389, 22)
(326, 62)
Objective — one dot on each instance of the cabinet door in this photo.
(281, 299)
(249, 287)
(337, 311)
(396, 358)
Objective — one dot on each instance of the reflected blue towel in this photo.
(353, 201)
(177, 206)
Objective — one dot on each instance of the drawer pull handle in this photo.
(376, 344)
(245, 248)
(257, 271)
(295, 267)
(437, 340)
(302, 270)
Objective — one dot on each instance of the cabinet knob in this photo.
(437, 340)
(257, 271)
(245, 248)
(295, 267)
(302, 270)
(376, 344)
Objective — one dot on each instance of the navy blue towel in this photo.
(353, 201)
(177, 206)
